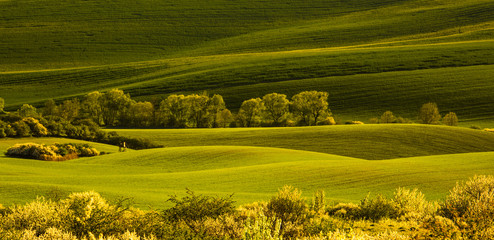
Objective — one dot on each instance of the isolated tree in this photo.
(275, 107)
(115, 104)
(27, 110)
(450, 119)
(92, 107)
(249, 113)
(310, 105)
(429, 114)
(388, 117)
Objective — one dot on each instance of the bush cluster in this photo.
(56, 152)
(13, 125)
(467, 213)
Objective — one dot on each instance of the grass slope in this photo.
(252, 173)
(150, 49)
(385, 141)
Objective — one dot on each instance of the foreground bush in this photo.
(470, 206)
(56, 152)
(467, 213)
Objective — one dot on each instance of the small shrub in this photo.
(196, 208)
(345, 210)
(319, 201)
(290, 208)
(411, 204)
(38, 216)
(88, 212)
(262, 227)
(377, 208)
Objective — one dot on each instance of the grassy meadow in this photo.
(348, 162)
(370, 56)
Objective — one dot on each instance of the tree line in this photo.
(117, 109)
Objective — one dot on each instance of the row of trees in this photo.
(115, 108)
(428, 114)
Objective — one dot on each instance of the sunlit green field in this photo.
(370, 56)
(379, 163)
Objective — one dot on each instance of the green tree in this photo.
(174, 111)
(249, 113)
(216, 107)
(224, 118)
(429, 113)
(450, 119)
(92, 107)
(21, 129)
(197, 110)
(388, 117)
(141, 114)
(275, 107)
(50, 110)
(69, 109)
(310, 105)
(2, 104)
(27, 110)
(115, 104)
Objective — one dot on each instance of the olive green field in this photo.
(370, 56)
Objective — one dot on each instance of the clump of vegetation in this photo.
(56, 152)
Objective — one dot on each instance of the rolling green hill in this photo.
(389, 55)
(252, 173)
(373, 142)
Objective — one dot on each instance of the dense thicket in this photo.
(20, 125)
(465, 214)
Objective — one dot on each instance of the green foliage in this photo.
(411, 204)
(193, 208)
(249, 114)
(319, 201)
(450, 119)
(429, 114)
(275, 107)
(291, 209)
(310, 106)
(470, 206)
(2, 104)
(387, 117)
(377, 208)
(57, 152)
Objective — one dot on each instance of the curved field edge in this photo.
(149, 182)
(372, 141)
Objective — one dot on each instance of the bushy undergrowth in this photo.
(467, 213)
(56, 152)
(15, 126)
